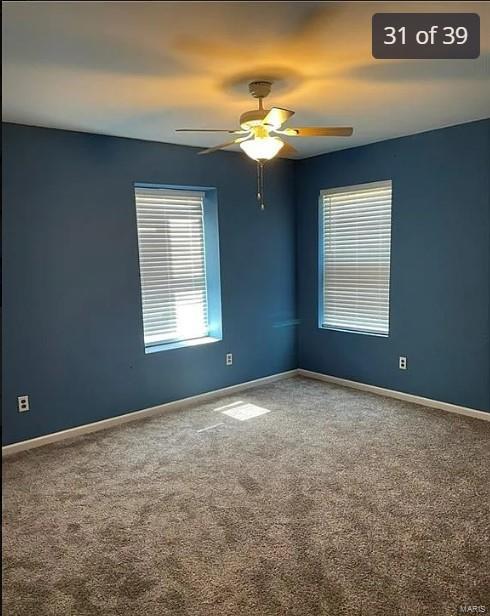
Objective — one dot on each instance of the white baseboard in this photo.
(104, 424)
(399, 395)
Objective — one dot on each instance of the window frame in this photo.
(211, 266)
(322, 258)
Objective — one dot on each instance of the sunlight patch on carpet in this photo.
(243, 410)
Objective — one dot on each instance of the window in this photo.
(355, 240)
(176, 266)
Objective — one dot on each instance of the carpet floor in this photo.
(296, 498)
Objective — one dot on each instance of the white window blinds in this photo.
(172, 264)
(356, 242)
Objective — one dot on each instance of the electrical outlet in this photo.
(22, 404)
(229, 359)
(402, 364)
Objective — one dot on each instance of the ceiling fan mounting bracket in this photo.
(260, 89)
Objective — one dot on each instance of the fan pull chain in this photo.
(260, 184)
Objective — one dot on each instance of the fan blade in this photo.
(287, 150)
(318, 131)
(207, 130)
(219, 147)
(277, 116)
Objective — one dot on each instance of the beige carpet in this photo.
(333, 502)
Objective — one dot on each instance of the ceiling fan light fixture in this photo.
(262, 148)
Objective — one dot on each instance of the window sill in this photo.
(156, 348)
(353, 331)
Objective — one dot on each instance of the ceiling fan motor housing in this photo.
(254, 118)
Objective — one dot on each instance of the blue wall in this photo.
(439, 267)
(72, 328)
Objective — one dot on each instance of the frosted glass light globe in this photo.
(262, 148)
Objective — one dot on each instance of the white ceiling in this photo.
(142, 69)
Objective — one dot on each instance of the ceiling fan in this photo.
(261, 130)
